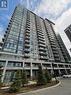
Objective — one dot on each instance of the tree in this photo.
(47, 75)
(15, 86)
(41, 80)
(1, 76)
(24, 78)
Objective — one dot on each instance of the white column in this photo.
(51, 69)
(23, 64)
(65, 69)
(42, 66)
(4, 71)
(58, 69)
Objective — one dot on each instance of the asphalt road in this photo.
(63, 89)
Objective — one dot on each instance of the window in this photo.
(2, 63)
(14, 64)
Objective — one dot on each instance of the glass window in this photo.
(14, 64)
(10, 50)
(2, 63)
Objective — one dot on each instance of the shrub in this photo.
(24, 78)
(1, 76)
(47, 75)
(41, 80)
(15, 86)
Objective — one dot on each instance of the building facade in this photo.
(68, 32)
(29, 41)
(63, 49)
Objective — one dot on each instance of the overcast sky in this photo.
(58, 11)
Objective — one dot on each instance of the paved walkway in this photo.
(63, 89)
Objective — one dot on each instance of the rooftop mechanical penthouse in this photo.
(29, 41)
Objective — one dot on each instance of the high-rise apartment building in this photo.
(68, 32)
(29, 41)
(63, 49)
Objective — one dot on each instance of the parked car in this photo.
(66, 76)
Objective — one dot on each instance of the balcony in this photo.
(10, 22)
(28, 22)
(27, 42)
(40, 34)
(7, 28)
(40, 39)
(56, 55)
(53, 48)
(5, 31)
(39, 31)
(41, 42)
(42, 49)
(43, 53)
(26, 50)
(27, 38)
(41, 45)
(4, 35)
(53, 45)
(1, 43)
(52, 40)
(9, 25)
(26, 55)
(27, 29)
(55, 52)
(38, 28)
(27, 32)
(3, 39)
(57, 59)
(27, 46)
(28, 26)
(43, 58)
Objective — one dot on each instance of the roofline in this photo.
(50, 21)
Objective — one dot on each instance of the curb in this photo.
(40, 89)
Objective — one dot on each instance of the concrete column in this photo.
(59, 70)
(4, 71)
(51, 70)
(65, 70)
(42, 65)
(68, 69)
(23, 64)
